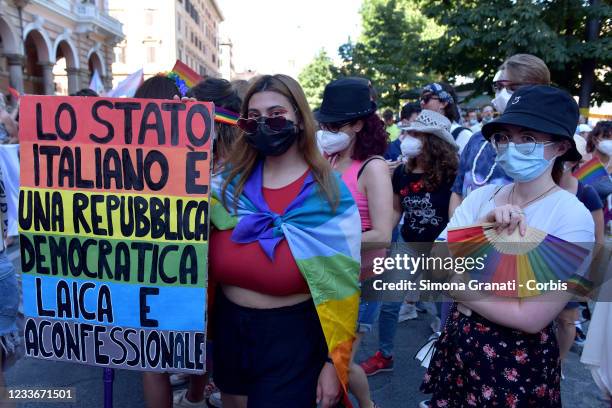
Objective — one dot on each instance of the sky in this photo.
(283, 36)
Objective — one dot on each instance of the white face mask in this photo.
(501, 100)
(330, 142)
(605, 146)
(411, 146)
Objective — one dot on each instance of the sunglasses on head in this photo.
(250, 125)
(427, 97)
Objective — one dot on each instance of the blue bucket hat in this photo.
(544, 109)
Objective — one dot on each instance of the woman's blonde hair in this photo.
(526, 69)
(243, 158)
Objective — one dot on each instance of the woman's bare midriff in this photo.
(256, 300)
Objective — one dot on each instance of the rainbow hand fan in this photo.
(591, 171)
(531, 261)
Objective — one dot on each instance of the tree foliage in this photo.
(315, 76)
(389, 49)
(479, 35)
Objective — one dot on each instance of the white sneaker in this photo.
(425, 404)
(178, 379)
(180, 401)
(215, 400)
(407, 312)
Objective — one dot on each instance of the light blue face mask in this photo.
(524, 167)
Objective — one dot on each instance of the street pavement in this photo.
(396, 389)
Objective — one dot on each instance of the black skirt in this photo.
(272, 356)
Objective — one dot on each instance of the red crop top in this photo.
(247, 266)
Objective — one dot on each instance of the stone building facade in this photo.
(46, 42)
(158, 32)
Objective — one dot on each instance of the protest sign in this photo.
(113, 221)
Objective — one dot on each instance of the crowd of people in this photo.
(308, 201)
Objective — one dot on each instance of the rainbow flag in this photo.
(226, 116)
(591, 171)
(324, 242)
(186, 74)
(14, 94)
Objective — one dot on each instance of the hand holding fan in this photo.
(537, 257)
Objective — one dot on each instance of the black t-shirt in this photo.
(425, 212)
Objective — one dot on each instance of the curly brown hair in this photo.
(371, 139)
(439, 161)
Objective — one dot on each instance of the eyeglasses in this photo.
(509, 85)
(526, 144)
(334, 127)
(250, 125)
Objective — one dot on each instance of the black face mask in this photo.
(272, 143)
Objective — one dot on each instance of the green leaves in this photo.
(407, 43)
(315, 76)
(389, 51)
(479, 35)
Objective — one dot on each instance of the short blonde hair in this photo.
(526, 69)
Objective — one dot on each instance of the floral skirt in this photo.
(478, 363)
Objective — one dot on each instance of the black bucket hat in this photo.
(344, 100)
(544, 109)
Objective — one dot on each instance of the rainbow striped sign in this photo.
(113, 217)
(591, 171)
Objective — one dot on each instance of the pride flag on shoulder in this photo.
(591, 171)
(325, 242)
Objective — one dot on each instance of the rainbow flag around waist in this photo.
(324, 242)
(591, 171)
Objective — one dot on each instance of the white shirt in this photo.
(560, 214)
(463, 138)
(476, 128)
(597, 352)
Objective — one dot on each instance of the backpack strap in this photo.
(365, 163)
(457, 131)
